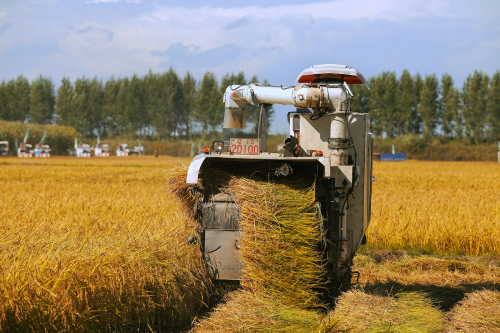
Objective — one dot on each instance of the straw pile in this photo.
(478, 312)
(357, 311)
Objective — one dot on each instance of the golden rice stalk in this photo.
(245, 311)
(357, 311)
(478, 312)
(281, 232)
(85, 248)
(436, 207)
(283, 269)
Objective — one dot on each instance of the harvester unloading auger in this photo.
(328, 143)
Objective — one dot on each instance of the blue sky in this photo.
(272, 39)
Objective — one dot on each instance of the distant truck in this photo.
(4, 148)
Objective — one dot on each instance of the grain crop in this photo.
(478, 312)
(357, 311)
(436, 207)
(95, 245)
(100, 245)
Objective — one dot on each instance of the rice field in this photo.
(99, 245)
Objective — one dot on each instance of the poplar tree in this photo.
(449, 105)
(42, 101)
(406, 104)
(122, 108)
(19, 99)
(65, 103)
(110, 107)
(209, 106)
(95, 105)
(417, 89)
(429, 105)
(361, 101)
(494, 107)
(81, 111)
(4, 114)
(173, 104)
(474, 95)
(189, 99)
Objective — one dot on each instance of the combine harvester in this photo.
(25, 150)
(4, 148)
(327, 142)
(41, 149)
(83, 149)
(101, 150)
(138, 150)
(123, 150)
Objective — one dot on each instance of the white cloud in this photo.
(2, 14)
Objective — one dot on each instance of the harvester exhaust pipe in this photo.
(339, 140)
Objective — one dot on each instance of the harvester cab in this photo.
(122, 150)
(327, 142)
(4, 148)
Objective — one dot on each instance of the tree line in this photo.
(157, 105)
(164, 105)
(428, 106)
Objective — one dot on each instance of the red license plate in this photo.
(245, 146)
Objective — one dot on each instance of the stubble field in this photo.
(99, 245)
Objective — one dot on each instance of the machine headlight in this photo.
(218, 146)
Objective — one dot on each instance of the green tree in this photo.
(474, 101)
(95, 122)
(449, 105)
(209, 106)
(121, 116)
(42, 101)
(165, 103)
(416, 123)
(429, 105)
(65, 103)
(494, 107)
(110, 107)
(15, 99)
(383, 103)
(361, 101)
(406, 104)
(135, 109)
(189, 99)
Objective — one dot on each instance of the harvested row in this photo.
(85, 248)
